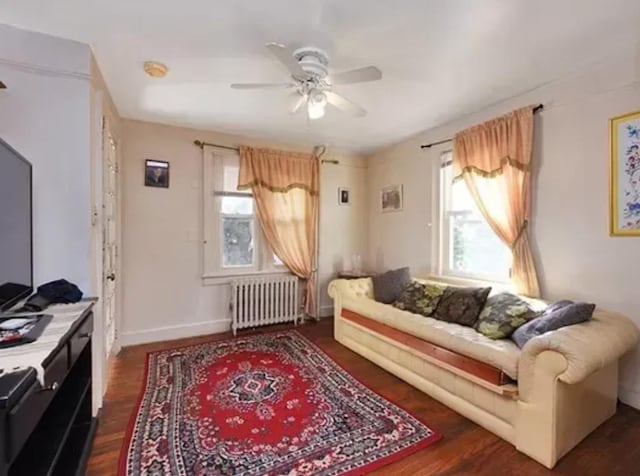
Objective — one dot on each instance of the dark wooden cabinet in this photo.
(48, 430)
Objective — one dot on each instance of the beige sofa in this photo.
(562, 385)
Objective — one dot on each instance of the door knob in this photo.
(111, 277)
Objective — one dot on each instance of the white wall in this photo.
(164, 297)
(343, 228)
(44, 115)
(576, 257)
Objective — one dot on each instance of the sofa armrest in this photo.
(362, 287)
(586, 347)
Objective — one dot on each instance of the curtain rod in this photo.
(539, 107)
(202, 144)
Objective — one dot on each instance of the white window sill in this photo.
(467, 281)
(220, 279)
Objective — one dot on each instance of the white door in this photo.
(109, 239)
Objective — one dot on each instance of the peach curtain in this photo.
(494, 159)
(285, 187)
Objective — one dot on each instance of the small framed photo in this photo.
(391, 198)
(156, 173)
(344, 197)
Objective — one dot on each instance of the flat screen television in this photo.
(16, 250)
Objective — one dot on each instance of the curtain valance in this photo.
(487, 148)
(277, 171)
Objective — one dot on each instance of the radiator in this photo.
(264, 300)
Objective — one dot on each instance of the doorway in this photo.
(110, 241)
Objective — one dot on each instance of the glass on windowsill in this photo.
(356, 263)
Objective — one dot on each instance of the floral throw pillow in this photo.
(461, 305)
(420, 298)
(503, 314)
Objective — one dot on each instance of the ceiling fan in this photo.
(311, 82)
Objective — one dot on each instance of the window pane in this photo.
(473, 248)
(237, 206)
(237, 245)
(476, 249)
(461, 199)
(230, 170)
(277, 261)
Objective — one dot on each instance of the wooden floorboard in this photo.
(465, 448)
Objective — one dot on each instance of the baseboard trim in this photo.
(326, 310)
(629, 395)
(175, 332)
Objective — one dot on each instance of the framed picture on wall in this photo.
(344, 197)
(156, 173)
(391, 198)
(624, 215)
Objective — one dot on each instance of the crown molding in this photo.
(44, 71)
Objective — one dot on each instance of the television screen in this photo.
(16, 270)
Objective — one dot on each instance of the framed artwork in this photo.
(624, 215)
(344, 198)
(391, 198)
(156, 173)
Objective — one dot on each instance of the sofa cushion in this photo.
(502, 314)
(420, 298)
(559, 315)
(387, 287)
(502, 354)
(461, 305)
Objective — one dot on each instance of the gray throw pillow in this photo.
(461, 305)
(387, 287)
(562, 314)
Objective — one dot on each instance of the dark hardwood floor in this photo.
(466, 448)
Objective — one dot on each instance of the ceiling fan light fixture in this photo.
(315, 110)
(318, 98)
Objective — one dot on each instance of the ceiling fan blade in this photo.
(261, 85)
(369, 73)
(285, 56)
(344, 104)
(299, 100)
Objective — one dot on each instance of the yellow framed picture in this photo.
(624, 216)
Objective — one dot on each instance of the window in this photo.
(233, 243)
(238, 230)
(469, 247)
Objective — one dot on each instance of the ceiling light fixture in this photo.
(155, 69)
(316, 104)
(314, 111)
(2, 85)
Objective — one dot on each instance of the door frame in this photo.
(100, 363)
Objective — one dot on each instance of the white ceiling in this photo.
(440, 59)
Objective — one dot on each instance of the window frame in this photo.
(442, 236)
(213, 270)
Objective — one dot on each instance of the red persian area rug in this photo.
(266, 404)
